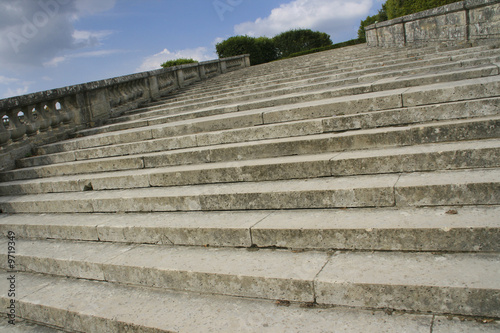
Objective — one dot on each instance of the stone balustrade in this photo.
(459, 23)
(52, 115)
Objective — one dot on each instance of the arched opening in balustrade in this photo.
(6, 121)
(21, 116)
(34, 113)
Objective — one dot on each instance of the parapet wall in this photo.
(48, 116)
(466, 22)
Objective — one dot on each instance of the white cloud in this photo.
(7, 80)
(325, 15)
(155, 61)
(84, 38)
(54, 62)
(16, 91)
(34, 32)
(14, 86)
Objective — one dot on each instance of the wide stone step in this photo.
(462, 283)
(382, 68)
(380, 62)
(439, 132)
(366, 74)
(431, 157)
(120, 308)
(464, 187)
(412, 97)
(139, 120)
(389, 61)
(275, 97)
(438, 229)
(264, 124)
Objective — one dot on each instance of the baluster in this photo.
(32, 122)
(113, 99)
(16, 128)
(43, 117)
(139, 89)
(67, 110)
(4, 133)
(55, 117)
(129, 91)
(121, 93)
(133, 90)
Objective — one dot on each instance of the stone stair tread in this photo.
(444, 131)
(441, 93)
(120, 307)
(445, 228)
(415, 189)
(377, 85)
(305, 166)
(308, 276)
(272, 119)
(348, 274)
(388, 65)
(410, 96)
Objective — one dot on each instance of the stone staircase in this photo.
(354, 190)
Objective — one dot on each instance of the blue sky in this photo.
(46, 44)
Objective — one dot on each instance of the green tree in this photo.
(267, 48)
(379, 17)
(294, 41)
(261, 49)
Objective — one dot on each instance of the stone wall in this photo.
(48, 116)
(460, 23)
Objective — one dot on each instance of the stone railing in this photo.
(47, 116)
(461, 23)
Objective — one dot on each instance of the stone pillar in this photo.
(180, 78)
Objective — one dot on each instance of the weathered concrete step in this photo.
(268, 274)
(63, 302)
(438, 132)
(448, 283)
(378, 110)
(431, 157)
(459, 74)
(465, 187)
(360, 279)
(392, 82)
(366, 72)
(230, 118)
(333, 78)
(211, 92)
(438, 229)
(362, 62)
(386, 60)
(411, 97)
(352, 78)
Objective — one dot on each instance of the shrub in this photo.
(294, 41)
(261, 49)
(326, 48)
(178, 62)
